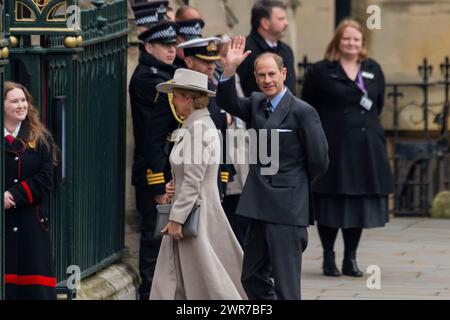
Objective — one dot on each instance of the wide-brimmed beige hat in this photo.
(186, 79)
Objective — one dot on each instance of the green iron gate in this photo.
(73, 59)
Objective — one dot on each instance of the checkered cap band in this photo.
(191, 30)
(163, 34)
(147, 19)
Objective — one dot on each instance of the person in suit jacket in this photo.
(209, 265)
(347, 90)
(268, 26)
(279, 204)
(30, 155)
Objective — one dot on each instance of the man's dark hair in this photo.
(263, 9)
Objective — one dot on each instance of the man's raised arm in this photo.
(226, 97)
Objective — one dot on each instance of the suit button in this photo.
(15, 229)
(362, 112)
(363, 129)
(15, 180)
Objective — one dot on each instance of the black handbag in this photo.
(190, 226)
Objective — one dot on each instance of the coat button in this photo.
(16, 158)
(362, 112)
(15, 180)
(15, 229)
(363, 129)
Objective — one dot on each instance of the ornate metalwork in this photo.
(44, 17)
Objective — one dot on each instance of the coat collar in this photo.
(335, 71)
(280, 112)
(178, 134)
(19, 143)
(197, 114)
(147, 59)
(261, 42)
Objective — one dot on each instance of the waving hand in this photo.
(234, 55)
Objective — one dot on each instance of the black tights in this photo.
(351, 239)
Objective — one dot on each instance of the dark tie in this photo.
(268, 108)
(9, 138)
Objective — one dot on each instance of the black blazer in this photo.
(285, 196)
(258, 45)
(357, 145)
(153, 124)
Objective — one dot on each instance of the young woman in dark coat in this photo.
(29, 159)
(347, 89)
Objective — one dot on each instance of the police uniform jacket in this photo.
(258, 45)
(283, 197)
(29, 272)
(356, 140)
(153, 123)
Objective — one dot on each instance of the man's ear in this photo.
(264, 24)
(188, 61)
(284, 72)
(148, 47)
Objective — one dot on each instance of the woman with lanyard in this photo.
(30, 155)
(347, 89)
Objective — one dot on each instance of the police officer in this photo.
(201, 54)
(153, 122)
(189, 29)
(148, 13)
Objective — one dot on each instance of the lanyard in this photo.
(360, 83)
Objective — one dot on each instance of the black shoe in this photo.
(350, 268)
(329, 267)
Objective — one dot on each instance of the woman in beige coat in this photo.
(207, 266)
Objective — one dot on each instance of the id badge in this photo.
(366, 103)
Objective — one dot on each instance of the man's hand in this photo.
(162, 199)
(233, 56)
(174, 229)
(8, 200)
(170, 190)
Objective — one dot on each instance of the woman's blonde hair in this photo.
(37, 131)
(200, 98)
(332, 53)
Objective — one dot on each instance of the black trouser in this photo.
(238, 223)
(273, 250)
(351, 239)
(149, 247)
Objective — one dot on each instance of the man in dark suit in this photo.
(279, 204)
(269, 23)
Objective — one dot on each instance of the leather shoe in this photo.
(329, 267)
(350, 268)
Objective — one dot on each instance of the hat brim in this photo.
(167, 87)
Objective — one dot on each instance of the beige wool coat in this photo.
(208, 266)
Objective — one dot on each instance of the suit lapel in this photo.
(281, 111)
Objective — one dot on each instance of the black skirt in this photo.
(349, 211)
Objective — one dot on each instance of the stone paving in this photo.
(413, 255)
